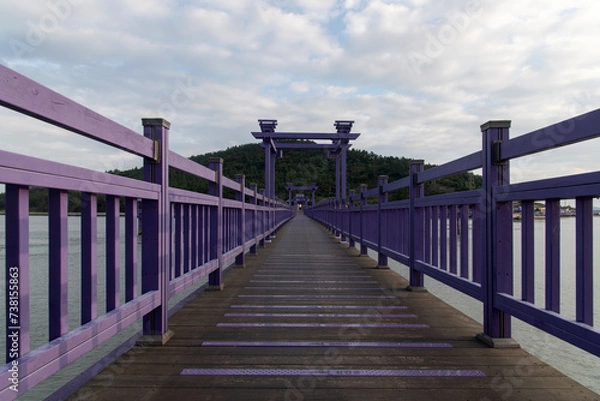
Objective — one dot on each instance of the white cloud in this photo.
(215, 67)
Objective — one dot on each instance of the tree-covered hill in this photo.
(300, 167)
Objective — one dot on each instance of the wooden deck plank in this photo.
(303, 251)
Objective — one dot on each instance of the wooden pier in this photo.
(310, 319)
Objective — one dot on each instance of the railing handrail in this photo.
(28, 97)
(208, 232)
(427, 233)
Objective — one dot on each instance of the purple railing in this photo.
(186, 236)
(465, 239)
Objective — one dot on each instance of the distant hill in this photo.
(301, 167)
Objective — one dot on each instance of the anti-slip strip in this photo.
(315, 281)
(339, 344)
(368, 307)
(333, 372)
(329, 325)
(315, 288)
(319, 296)
(323, 315)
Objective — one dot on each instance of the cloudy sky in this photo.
(417, 76)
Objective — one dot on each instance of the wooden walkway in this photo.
(310, 320)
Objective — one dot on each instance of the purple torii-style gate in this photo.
(291, 187)
(338, 148)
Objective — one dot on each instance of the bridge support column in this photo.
(156, 223)
(498, 263)
(382, 260)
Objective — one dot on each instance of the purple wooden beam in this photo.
(240, 260)
(17, 272)
(268, 172)
(435, 216)
(497, 274)
(156, 231)
(466, 163)
(26, 96)
(382, 260)
(453, 216)
(203, 235)
(89, 257)
(363, 202)
(131, 248)
(172, 247)
(342, 172)
(527, 252)
(415, 225)
(566, 132)
(195, 237)
(58, 279)
(261, 218)
(177, 240)
(305, 135)
(478, 250)
(553, 255)
(113, 259)
(303, 146)
(584, 261)
(464, 241)
(187, 238)
(351, 225)
(443, 237)
(255, 213)
(428, 235)
(215, 279)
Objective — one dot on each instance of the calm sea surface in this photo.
(577, 364)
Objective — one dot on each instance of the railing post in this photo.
(156, 234)
(240, 260)
(17, 272)
(416, 226)
(498, 264)
(336, 219)
(89, 257)
(364, 250)
(263, 218)
(58, 255)
(273, 218)
(344, 211)
(131, 249)
(215, 278)
(254, 248)
(382, 260)
(351, 242)
(113, 257)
